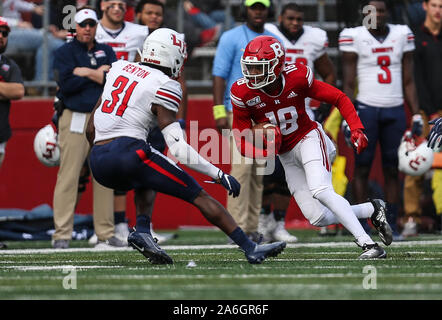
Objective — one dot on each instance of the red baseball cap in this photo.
(4, 23)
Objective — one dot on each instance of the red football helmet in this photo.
(262, 61)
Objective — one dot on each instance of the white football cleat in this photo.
(281, 234)
(93, 240)
(122, 231)
(161, 238)
(266, 226)
(410, 228)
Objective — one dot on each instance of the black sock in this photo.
(240, 238)
(119, 217)
(266, 210)
(279, 215)
(143, 224)
(392, 210)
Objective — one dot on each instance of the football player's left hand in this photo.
(359, 140)
(416, 125)
(229, 182)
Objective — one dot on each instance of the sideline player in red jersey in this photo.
(271, 93)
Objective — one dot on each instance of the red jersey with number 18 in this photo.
(287, 109)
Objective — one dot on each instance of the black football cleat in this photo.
(379, 221)
(148, 247)
(262, 251)
(372, 251)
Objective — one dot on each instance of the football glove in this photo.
(229, 182)
(359, 140)
(435, 134)
(416, 125)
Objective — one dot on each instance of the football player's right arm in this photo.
(324, 67)
(222, 66)
(173, 134)
(219, 87)
(349, 61)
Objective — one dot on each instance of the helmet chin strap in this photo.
(140, 54)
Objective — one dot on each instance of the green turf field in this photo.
(314, 268)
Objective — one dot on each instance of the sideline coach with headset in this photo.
(246, 207)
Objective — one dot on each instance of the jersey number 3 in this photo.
(119, 85)
(384, 62)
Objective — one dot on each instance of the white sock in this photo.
(343, 213)
(363, 210)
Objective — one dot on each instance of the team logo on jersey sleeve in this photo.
(253, 101)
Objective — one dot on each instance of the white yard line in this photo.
(65, 267)
(219, 246)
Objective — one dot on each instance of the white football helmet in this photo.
(414, 160)
(166, 48)
(46, 146)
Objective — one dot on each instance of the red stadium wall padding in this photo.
(25, 183)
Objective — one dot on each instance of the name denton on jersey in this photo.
(137, 71)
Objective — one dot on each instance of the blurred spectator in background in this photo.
(11, 87)
(406, 12)
(428, 75)
(246, 207)
(380, 59)
(80, 67)
(209, 15)
(25, 37)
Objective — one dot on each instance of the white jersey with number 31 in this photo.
(379, 66)
(126, 42)
(128, 95)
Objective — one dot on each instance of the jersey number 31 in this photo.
(119, 85)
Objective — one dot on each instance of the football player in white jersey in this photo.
(304, 44)
(151, 14)
(380, 58)
(137, 97)
(126, 39)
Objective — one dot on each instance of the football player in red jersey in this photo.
(268, 92)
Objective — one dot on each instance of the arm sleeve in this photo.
(347, 40)
(409, 42)
(173, 134)
(15, 75)
(324, 92)
(321, 44)
(223, 61)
